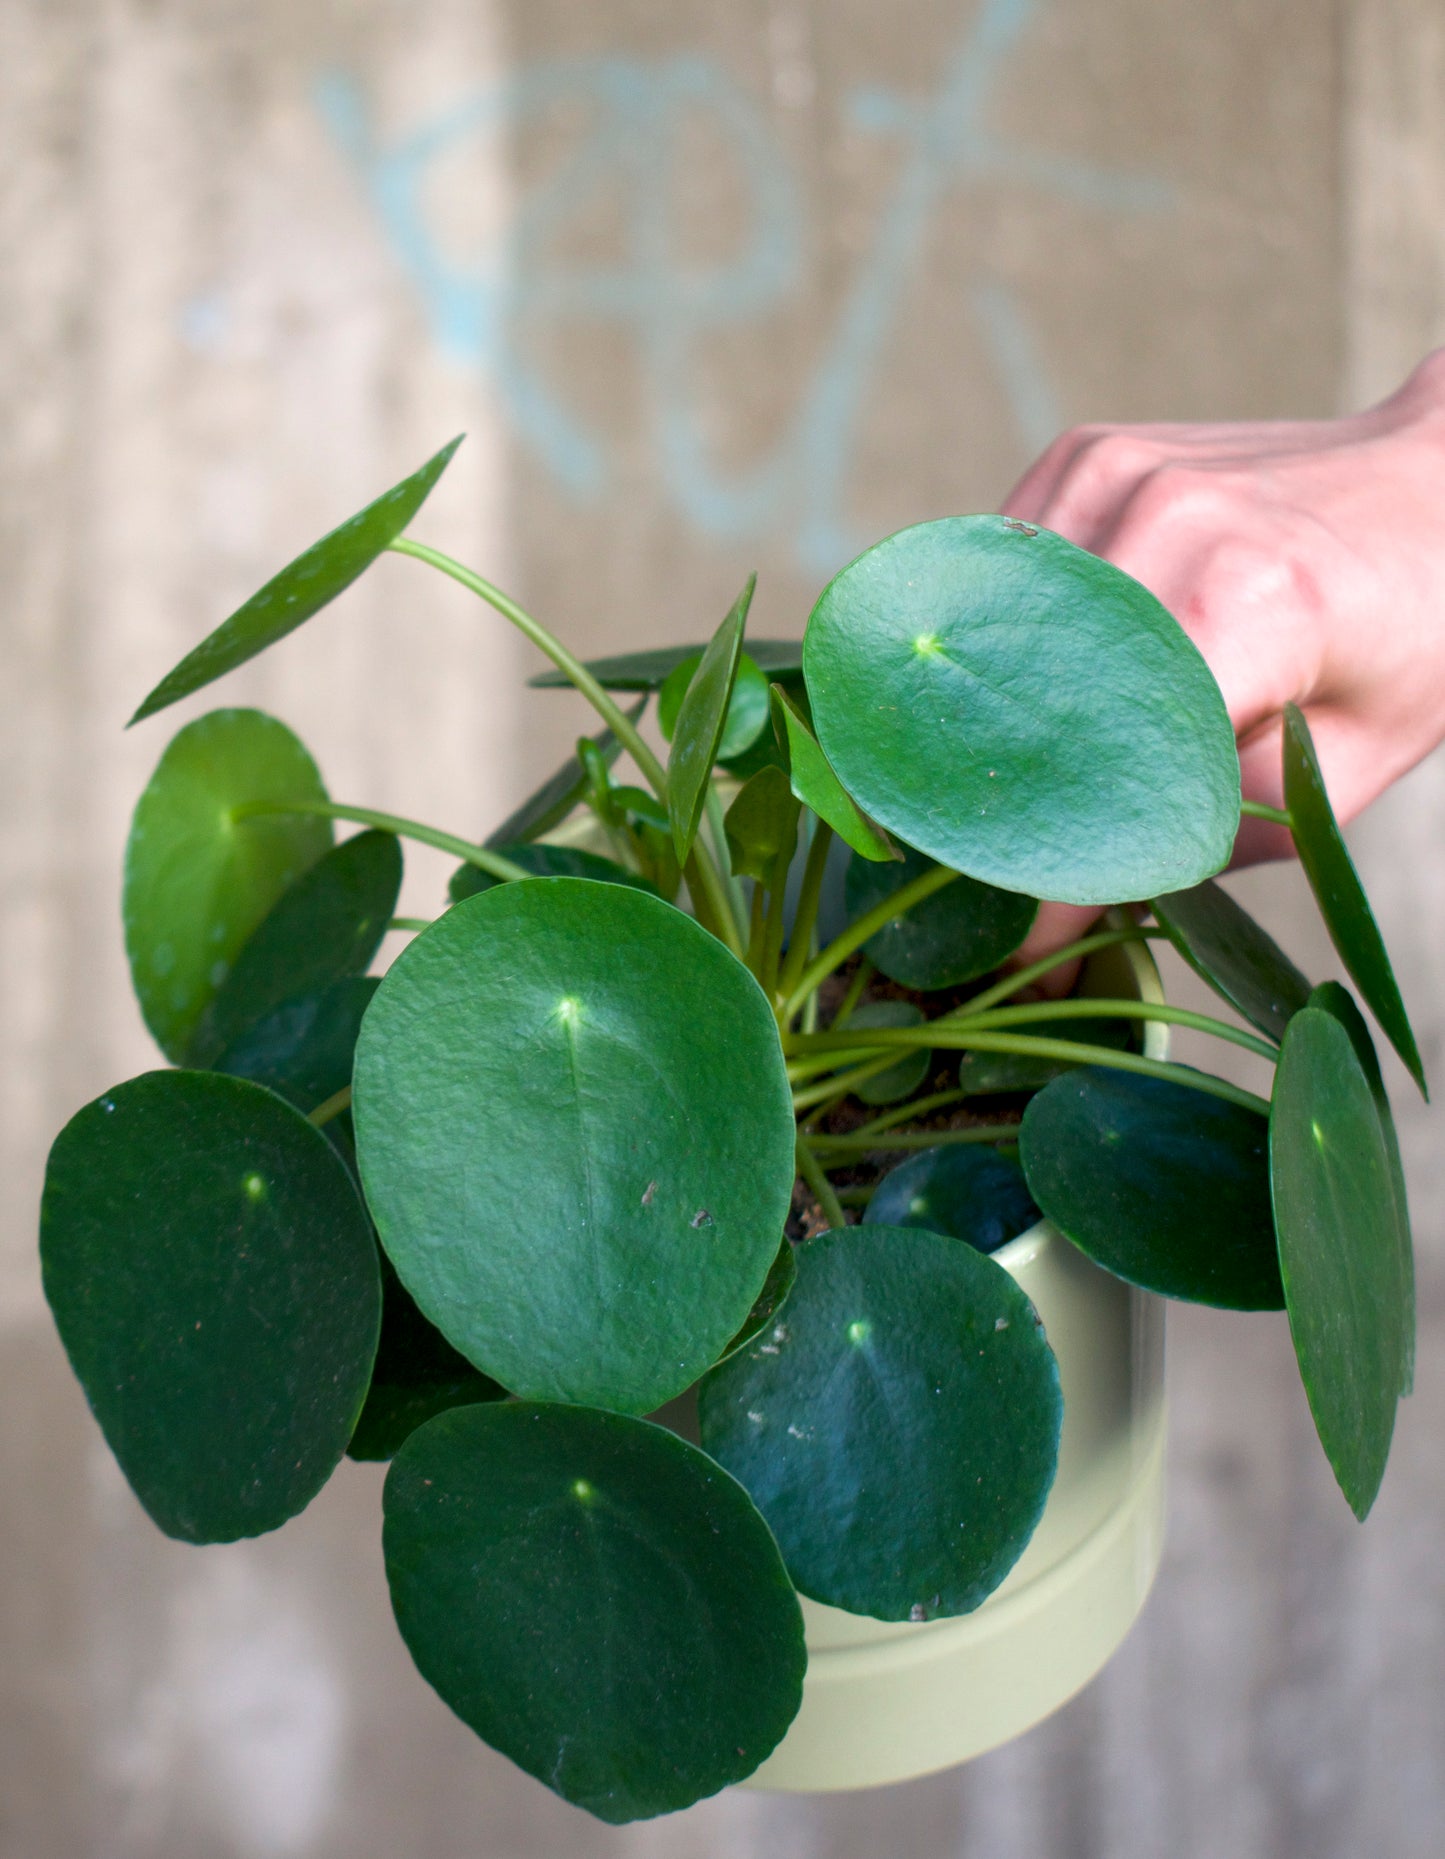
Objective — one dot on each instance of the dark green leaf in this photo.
(213, 1278)
(1337, 1000)
(702, 718)
(596, 1599)
(1023, 712)
(641, 804)
(1160, 1184)
(816, 785)
(761, 823)
(576, 1135)
(970, 1194)
(1242, 963)
(545, 861)
(1339, 893)
(747, 713)
(900, 1430)
(304, 587)
(770, 1300)
(781, 659)
(198, 880)
(417, 1375)
(558, 794)
(303, 1050)
(325, 928)
(964, 930)
(1338, 1251)
(900, 1080)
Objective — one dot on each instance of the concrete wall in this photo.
(710, 289)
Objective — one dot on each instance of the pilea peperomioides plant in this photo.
(593, 1139)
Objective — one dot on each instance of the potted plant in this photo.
(600, 1139)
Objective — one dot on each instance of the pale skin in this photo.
(1306, 560)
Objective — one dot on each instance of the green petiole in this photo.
(463, 849)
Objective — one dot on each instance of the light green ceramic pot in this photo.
(884, 1701)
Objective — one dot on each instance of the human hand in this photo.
(1305, 559)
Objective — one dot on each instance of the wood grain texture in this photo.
(214, 350)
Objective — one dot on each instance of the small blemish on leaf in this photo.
(1023, 529)
(701, 1218)
(1000, 1323)
(648, 1192)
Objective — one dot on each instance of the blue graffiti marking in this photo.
(483, 307)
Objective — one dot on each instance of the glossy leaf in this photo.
(1339, 893)
(1023, 712)
(970, 1194)
(901, 1431)
(900, 1080)
(965, 930)
(198, 880)
(1241, 961)
(1337, 1000)
(747, 712)
(770, 1301)
(781, 659)
(325, 928)
(417, 1376)
(545, 861)
(550, 804)
(576, 1136)
(1339, 1257)
(816, 785)
(1160, 1184)
(303, 1050)
(761, 823)
(302, 588)
(596, 1599)
(213, 1278)
(702, 717)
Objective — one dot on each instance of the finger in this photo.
(1055, 927)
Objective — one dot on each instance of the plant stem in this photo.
(410, 923)
(951, 1037)
(712, 805)
(710, 902)
(1075, 952)
(905, 1113)
(573, 668)
(773, 935)
(805, 918)
(857, 933)
(811, 1169)
(331, 1107)
(1257, 810)
(841, 1083)
(491, 862)
(757, 930)
(855, 1141)
(1091, 1009)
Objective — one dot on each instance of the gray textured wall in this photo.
(710, 290)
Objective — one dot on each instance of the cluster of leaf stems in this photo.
(826, 1065)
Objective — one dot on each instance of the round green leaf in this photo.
(545, 861)
(970, 1194)
(199, 881)
(302, 588)
(1242, 962)
(325, 928)
(596, 1599)
(1338, 1248)
(1337, 1000)
(576, 1136)
(1023, 712)
(1339, 893)
(761, 823)
(769, 1302)
(781, 659)
(747, 712)
(417, 1375)
(899, 1429)
(959, 933)
(900, 1080)
(1160, 1184)
(213, 1278)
